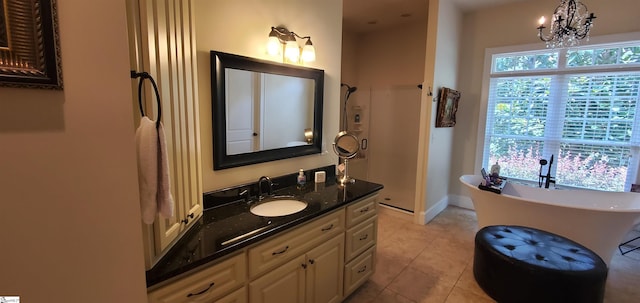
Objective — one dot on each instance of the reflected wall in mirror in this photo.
(263, 111)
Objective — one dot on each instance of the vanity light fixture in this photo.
(281, 38)
(571, 23)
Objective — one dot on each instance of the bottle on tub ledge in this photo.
(495, 170)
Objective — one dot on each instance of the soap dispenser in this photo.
(302, 179)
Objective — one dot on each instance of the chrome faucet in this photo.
(548, 179)
(269, 189)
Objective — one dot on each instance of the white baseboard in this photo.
(432, 212)
(461, 201)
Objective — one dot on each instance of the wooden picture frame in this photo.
(447, 107)
(29, 44)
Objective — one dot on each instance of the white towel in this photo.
(164, 197)
(147, 148)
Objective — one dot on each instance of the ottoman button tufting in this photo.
(524, 264)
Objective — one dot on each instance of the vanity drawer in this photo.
(359, 270)
(206, 285)
(360, 237)
(362, 210)
(275, 252)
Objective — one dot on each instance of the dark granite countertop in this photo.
(227, 225)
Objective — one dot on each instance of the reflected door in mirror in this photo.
(241, 111)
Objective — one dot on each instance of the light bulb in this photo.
(308, 53)
(292, 51)
(542, 20)
(274, 47)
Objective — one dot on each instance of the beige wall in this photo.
(242, 27)
(392, 56)
(506, 25)
(440, 71)
(70, 220)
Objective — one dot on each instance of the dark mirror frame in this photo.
(219, 62)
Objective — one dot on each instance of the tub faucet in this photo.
(546, 179)
(269, 188)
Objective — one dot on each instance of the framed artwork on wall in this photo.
(29, 44)
(447, 107)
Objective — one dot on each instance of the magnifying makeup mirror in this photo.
(346, 146)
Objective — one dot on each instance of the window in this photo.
(579, 105)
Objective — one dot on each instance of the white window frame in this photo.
(536, 47)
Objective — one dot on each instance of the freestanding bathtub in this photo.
(596, 219)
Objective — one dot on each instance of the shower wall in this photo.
(393, 143)
(386, 66)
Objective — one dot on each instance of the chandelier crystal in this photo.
(571, 23)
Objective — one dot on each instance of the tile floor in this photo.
(434, 263)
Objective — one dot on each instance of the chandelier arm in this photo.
(541, 36)
(571, 13)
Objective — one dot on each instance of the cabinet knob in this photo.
(311, 261)
(186, 220)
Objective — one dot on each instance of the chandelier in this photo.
(571, 23)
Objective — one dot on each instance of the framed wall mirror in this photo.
(263, 111)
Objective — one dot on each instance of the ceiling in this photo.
(369, 15)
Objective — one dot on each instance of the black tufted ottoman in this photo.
(523, 264)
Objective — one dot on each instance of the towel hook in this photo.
(142, 76)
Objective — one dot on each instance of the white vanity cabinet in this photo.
(360, 238)
(321, 261)
(315, 277)
(222, 282)
(303, 265)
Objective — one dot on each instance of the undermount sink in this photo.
(279, 207)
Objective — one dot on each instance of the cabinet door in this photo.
(238, 296)
(324, 272)
(157, 28)
(286, 284)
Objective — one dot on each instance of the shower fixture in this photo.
(350, 90)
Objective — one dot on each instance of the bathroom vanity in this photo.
(320, 254)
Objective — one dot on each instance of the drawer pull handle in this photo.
(280, 252)
(362, 269)
(197, 294)
(364, 210)
(328, 228)
(364, 238)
